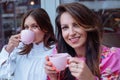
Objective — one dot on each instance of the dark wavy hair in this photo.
(87, 19)
(43, 20)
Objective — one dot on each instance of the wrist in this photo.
(52, 78)
(9, 48)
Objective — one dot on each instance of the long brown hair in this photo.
(43, 20)
(91, 23)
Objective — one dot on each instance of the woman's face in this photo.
(32, 25)
(73, 34)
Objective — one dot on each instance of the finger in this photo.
(13, 43)
(14, 39)
(47, 58)
(72, 64)
(73, 60)
(49, 63)
(15, 36)
(75, 67)
(50, 69)
(49, 72)
(72, 67)
(76, 60)
(68, 58)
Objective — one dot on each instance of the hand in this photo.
(13, 42)
(50, 70)
(79, 69)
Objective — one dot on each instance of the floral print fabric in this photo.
(110, 63)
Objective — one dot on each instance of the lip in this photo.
(74, 39)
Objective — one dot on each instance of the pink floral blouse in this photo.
(110, 63)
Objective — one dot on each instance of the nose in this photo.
(71, 31)
(30, 28)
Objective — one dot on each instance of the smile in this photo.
(75, 39)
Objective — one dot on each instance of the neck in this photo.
(80, 51)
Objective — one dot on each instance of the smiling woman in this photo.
(72, 32)
(79, 34)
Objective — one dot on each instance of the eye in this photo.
(76, 25)
(35, 27)
(64, 27)
(26, 27)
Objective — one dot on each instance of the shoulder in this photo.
(109, 52)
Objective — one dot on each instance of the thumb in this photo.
(47, 58)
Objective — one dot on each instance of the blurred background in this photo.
(11, 12)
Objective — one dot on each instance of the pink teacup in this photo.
(59, 60)
(27, 36)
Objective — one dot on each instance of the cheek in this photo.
(85, 34)
(64, 34)
(39, 34)
(85, 37)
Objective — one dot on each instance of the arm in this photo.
(50, 70)
(6, 65)
(7, 57)
(3, 56)
(110, 64)
(8, 49)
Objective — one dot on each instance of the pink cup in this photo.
(27, 36)
(59, 60)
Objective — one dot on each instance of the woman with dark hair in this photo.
(26, 61)
(79, 34)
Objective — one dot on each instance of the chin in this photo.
(76, 46)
